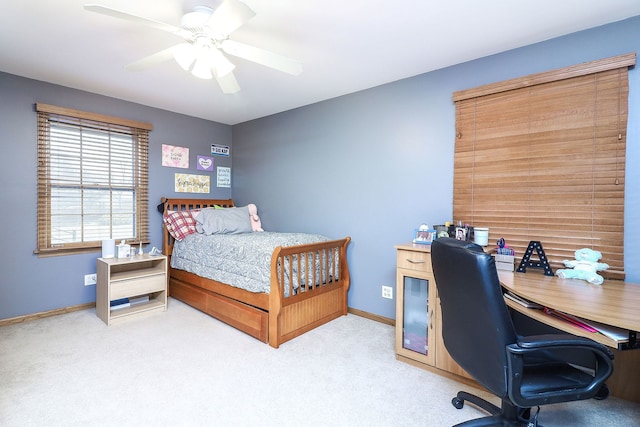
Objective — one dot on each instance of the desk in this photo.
(615, 303)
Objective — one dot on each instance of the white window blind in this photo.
(92, 180)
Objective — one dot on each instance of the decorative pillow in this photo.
(180, 223)
(223, 221)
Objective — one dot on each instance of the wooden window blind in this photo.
(542, 158)
(92, 180)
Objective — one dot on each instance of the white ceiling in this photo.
(344, 45)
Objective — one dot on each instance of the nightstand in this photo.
(129, 278)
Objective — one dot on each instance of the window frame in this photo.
(84, 121)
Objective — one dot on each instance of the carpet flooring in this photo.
(183, 368)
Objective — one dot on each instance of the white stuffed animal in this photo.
(585, 266)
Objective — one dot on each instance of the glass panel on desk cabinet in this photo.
(415, 314)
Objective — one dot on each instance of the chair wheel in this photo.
(457, 403)
(603, 393)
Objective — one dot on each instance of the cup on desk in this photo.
(481, 236)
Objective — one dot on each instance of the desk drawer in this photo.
(138, 286)
(413, 260)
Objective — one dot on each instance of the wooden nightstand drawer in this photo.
(414, 260)
(138, 286)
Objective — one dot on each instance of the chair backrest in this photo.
(476, 325)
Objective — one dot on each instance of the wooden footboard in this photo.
(309, 285)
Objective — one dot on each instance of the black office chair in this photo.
(478, 332)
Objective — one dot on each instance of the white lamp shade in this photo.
(184, 54)
(202, 59)
(202, 69)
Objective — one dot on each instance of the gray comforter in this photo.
(240, 260)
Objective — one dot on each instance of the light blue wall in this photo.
(377, 163)
(372, 165)
(29, 284)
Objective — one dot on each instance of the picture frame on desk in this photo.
(462, 233)
(424, 237)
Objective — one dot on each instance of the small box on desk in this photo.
(123, 250)
(505, 262)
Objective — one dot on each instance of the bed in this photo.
(306, 285)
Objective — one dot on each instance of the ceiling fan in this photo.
(205, 32)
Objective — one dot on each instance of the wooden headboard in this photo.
(184, 205)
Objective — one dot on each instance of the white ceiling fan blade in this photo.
(228, 83)
(261, 56)
(151, 60)
(133, 18)
(230, 16)
(220, 62)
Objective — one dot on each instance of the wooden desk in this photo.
(613, 303)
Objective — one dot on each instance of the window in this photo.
(542, 158)
(92, 180)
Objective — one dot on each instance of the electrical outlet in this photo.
(387, 292)
(90, 279)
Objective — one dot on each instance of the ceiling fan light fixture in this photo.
(202, 69)
(205, 33)
(184, 54)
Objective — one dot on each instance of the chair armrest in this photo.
(537, 347)
(551, 341)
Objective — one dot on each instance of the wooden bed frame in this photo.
(272, 318)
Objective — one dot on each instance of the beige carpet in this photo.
(183, 368)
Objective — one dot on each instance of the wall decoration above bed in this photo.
(204, 163)
(273, 286)
(175, 157)
(224, 177)
(185, 183)
(220, 150)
